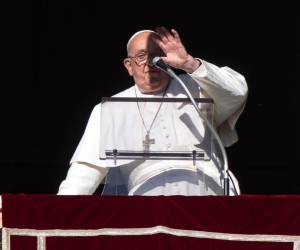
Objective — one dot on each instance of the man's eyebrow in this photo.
(142, 50)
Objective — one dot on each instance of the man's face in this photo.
(141, 51)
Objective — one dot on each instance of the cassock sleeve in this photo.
(88, 149)
(229, 91)
(86, 170)
(82, 179)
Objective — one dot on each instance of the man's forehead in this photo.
(140, 39)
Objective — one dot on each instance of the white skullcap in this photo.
(137, 33)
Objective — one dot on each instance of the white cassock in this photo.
(229, 91)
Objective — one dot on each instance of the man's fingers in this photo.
(165, 34)
(162, 34)
(160, 43)
(176, 35)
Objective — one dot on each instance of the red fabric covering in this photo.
(276, 215)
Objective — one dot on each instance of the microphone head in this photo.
(155, 60)
(159, 63)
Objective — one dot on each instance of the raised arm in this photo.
(225, 86)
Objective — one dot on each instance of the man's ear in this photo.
(127, 64)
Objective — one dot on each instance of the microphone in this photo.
(159, 63)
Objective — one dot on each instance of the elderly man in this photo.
(225, 86)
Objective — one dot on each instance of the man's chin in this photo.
(153, 87)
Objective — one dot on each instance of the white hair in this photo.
(137, 33)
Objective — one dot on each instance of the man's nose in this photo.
(150, 61)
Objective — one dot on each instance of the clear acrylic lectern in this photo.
(144, 137)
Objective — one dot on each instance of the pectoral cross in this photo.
(147, 142)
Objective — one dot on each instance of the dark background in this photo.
(60, 57)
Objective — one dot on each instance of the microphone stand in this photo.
(159, 63)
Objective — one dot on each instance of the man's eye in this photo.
(141, 57)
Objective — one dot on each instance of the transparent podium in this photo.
(143, 138)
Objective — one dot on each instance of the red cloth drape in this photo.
(246, 214)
